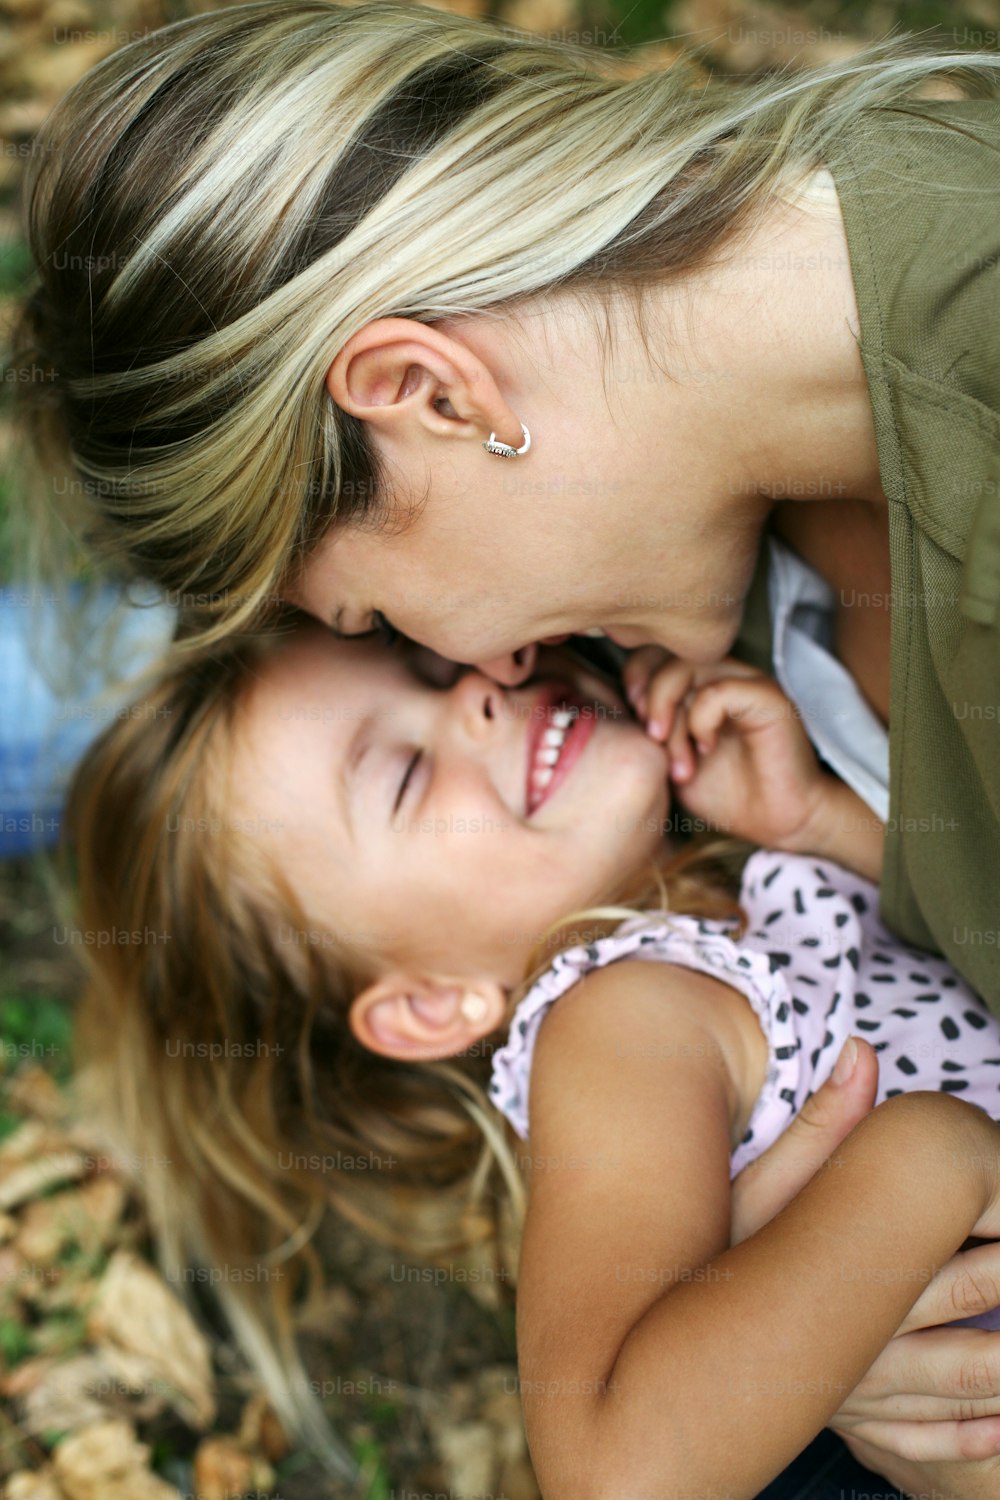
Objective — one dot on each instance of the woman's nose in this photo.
(513, 669)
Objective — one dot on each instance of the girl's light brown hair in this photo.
(215, 209)
(213, 1044)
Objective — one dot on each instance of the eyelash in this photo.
(406, 780)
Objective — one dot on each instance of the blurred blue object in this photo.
(65, 665)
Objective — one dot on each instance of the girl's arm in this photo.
(654, 1360)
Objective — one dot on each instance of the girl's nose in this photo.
(513, 669)
(479, 703)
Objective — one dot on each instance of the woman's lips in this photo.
(562, 723)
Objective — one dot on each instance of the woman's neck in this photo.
(847, 542)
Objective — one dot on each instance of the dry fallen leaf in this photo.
(32, 1178)
(47, 1227)
(25, 1377)
(13, 1270)
(261, 1429)
(33, 1091)
(225, 1471)
(88, 1215)
(136, 1310)
(479, 1434)
(61, 1394)
(22, 1143)
(468, 1452)
(105, 1461)
(26, 1485)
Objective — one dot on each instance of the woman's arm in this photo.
(732, 1359)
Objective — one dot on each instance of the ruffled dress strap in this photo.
(710, 947)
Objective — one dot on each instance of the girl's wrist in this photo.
(842, 827)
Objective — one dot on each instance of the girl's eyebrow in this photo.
(359, 744)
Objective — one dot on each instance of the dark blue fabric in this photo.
(826, 1470)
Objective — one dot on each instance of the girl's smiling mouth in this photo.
(561, 724)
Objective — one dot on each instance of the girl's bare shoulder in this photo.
(624, 1026)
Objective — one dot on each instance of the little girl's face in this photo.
(442, 827)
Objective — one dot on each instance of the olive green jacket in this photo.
(919, 188)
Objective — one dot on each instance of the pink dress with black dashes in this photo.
(816, 964)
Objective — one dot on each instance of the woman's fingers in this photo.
(930, 1442)
(808, 1145)
(967, 1285)
(944, 1374)
(931, 1479)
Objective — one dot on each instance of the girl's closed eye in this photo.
(411, 767)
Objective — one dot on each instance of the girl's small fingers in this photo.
(638, 670)
(667, 691)
(751, 703)
(709, 710)
(679, 751)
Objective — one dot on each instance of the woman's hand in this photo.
(926, 1416)
(976, 1480)
(933, 1394)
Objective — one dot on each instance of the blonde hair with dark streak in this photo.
(215, 1051)
(215, 209)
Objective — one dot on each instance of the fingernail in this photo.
(845, 1062)
(655, 729)
(678, 771)
(633, 691)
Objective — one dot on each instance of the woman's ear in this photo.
(406, 1017)
(395, 369)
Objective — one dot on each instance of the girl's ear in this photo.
(403, 1016)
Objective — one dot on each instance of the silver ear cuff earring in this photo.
(504, 450)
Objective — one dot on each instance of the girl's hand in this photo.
(660, 686)
(737, 749)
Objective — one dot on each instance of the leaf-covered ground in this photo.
(115, 1384)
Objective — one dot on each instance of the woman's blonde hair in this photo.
(212, 1040)
(215, 209)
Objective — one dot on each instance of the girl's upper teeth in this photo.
(550, 746)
